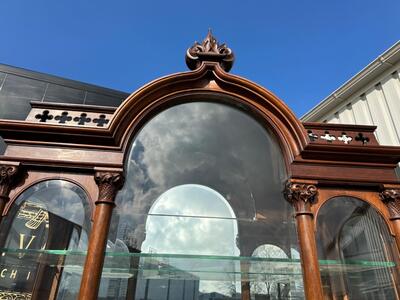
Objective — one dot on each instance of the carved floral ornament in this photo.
(109, 183)
(8, 174)
(301, 196)
(209, 50)
(391, 197)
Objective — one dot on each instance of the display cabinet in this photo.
(200, 185)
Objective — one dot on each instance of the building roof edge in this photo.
(61, 81)
(379, 65)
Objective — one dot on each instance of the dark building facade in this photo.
(20, 87)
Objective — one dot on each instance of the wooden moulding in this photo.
(207, 83)
(55, 145)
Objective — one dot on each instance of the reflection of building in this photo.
(72, 146)
(167, 289)
(217, 296)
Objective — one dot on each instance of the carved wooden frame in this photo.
(85, 182)
(52, 151)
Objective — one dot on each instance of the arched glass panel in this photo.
(204, 223)
(203, 189)
(356, 251)
(51, 215)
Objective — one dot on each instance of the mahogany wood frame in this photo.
(43, 151)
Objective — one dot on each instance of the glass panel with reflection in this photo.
(50, 216)
(358, 256)
(203, 180)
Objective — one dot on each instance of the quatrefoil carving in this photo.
(345, 138)
(328, 137)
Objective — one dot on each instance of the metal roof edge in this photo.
(378, 66)
(61, 81)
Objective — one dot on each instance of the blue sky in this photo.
(300, 50)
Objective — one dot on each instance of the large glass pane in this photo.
(204, 180)
(101, 99)
(63, 94)
(357, 253)
(14, 108)
(17, 88)
(50, 216)
(3, 146)
(15, 95)
(2, 78)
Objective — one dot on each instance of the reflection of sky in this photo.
(61, 198)
(208, 144)
(199, 221)
(219, 148)
(192, 200)
(191, 235)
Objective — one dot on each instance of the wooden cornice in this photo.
(307, 147)
(347, 153)
(50, 134)
(207, 83)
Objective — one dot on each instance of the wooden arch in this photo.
(208, 80)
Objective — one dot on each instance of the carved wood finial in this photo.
(391, 197)
(301, 196)
(8, 179)
(209, 50)
(109, 183)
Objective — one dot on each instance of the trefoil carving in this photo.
(361, 138)
(345, 138)
(313, 137)
(328, 137)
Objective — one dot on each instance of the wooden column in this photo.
(109, 183)
(245, 282)
(301, 196)
(391, 197)
(9, 176)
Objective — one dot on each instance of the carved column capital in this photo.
(391, 197)
(109, 183)
(301, 196)
(8, 179)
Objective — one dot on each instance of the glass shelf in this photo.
(183, 267)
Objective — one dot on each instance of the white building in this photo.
(371, 97)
